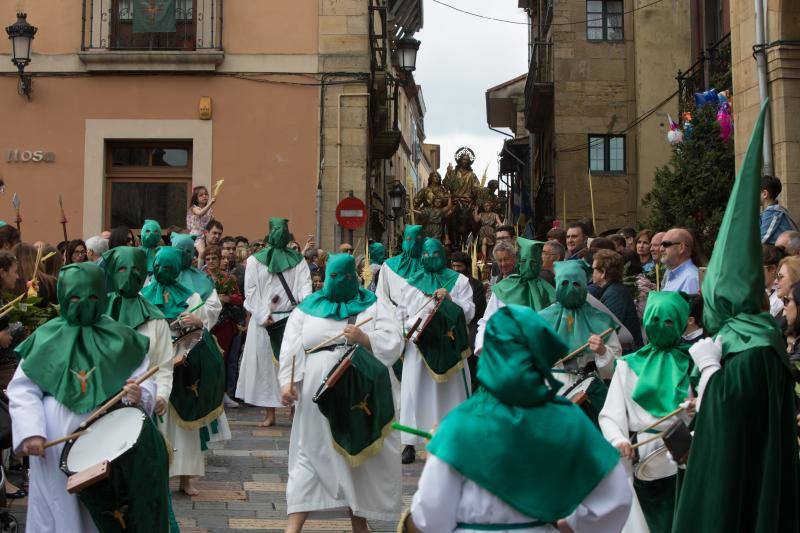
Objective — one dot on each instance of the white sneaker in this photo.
(227, 402)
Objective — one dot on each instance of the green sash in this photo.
(359, 408)
(134, 497)
(198, 384)
(444, 344)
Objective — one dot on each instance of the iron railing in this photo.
(108, 25)
(711, 71)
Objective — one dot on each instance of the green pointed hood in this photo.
(527, 437)
(126, 269)
(733, 286)
(189, 276)
(276, 256)
(408, 262)
(165, 290)
(434, 274)
(341, 296)
(662, 366)
(82, 357)
(525, 287)
(151, 239)
(573, 318)
(377, 253)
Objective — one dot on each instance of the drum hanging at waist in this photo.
(444, 341)
(133, 494)
(356, 399)
(198, 383)
(275, 332)
(589, 393)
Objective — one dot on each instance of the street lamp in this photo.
(407, 49)
(21, 34)
(397, 197)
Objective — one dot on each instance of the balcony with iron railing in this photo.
(152, 34)
(711, 71)
(539, 87)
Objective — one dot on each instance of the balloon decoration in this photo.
(721, 102)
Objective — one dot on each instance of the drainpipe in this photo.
(339, 151)
(319, 204)
(760, 53)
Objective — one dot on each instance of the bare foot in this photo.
(269, 419)
(187, 486)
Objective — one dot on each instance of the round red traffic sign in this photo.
(351, 213)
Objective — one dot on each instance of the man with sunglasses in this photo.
(676, 255)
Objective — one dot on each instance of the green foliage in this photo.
(692, 189)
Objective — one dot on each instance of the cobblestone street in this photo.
(244, 488)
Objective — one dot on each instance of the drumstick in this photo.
(413, 431)
(189, 312)
(580, 349)
(665, 417)
(117, 397)
(292, 381)
(423, 306)
(65, 438)
(648, 441)
(326, 341)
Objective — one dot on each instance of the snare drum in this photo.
(655, 465)
(589, 393)
(132, 496)
(184, 344)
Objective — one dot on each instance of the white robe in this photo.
(258, 380)
(160, 354)
(444, 498)
(187, 459)
(425, 402)
(319, 477)
(51, 508)
(621, 415)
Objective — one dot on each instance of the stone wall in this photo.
(783, 65)
(343, 47)
(593, 94)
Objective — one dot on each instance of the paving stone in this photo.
(264, 487)
(219, 495)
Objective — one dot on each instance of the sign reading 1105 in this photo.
(29, 156)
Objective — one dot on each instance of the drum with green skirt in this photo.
(356, 398)
(198, 383)
(443, 341)
(133, 497)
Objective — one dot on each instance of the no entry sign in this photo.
(351, 213)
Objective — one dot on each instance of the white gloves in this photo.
(706, 353)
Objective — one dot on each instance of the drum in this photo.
(198, 382)
(132, 496)
(184, 344)
(443, 341)
(356, 399)
(589, 392)
(655, 465)
(275, 332)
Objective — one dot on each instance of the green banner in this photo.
(154, 16)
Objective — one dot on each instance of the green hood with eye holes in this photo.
(126, 268)
(341, 296)
(434, 275)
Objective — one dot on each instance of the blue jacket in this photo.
(775, 219)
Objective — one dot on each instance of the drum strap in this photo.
(286, 288)
(502, 527)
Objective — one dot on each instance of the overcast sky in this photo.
(460, 57)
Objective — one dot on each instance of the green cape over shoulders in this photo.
(164, 291)
(82, 357)
(276, 256)
(126, 268)
(573, 318)
(525, 287)
(408, 262)
(663, 365)
(341, 295)
(434, 274)
(514, 437)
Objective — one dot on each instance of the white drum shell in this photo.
(107, 438)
